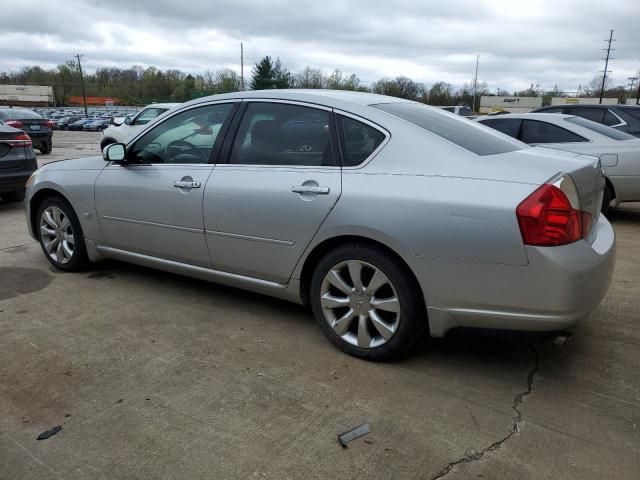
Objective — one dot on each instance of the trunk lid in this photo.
(13, 153)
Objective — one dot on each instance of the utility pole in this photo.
(632, 80)
(475, 84)
(606, 64)
(84, 96)
(241, 67)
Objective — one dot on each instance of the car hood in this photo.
(86, 163)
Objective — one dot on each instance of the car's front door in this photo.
(279, 182)
(152, 203)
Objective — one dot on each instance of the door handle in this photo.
(182, 184)
(310, 189)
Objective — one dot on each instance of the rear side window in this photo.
(633, 112)
(534, 131)
(508, 126)
(458, 130)
(551, 110)
(610, 119)
(601, 129)
(593, 114)
(359, 140)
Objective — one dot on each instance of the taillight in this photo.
(15, 123)
(49, 124)
(551, 215)
(19, 140)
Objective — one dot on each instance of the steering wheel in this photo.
(180, 146)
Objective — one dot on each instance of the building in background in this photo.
(583, 100)
(27, 95)
(490, 104)
(76, 100)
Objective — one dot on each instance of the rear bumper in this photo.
(558, 287)
(40, 139)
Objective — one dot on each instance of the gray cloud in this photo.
(540, 41)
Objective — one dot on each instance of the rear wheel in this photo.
(46, 147)
(366, 302)
(61, 236)
(16, 196)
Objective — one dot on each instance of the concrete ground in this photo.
(154, 376)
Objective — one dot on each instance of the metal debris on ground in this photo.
(346, 437)
(49, 433)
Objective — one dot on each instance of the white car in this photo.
(122, 132)
(619, 152)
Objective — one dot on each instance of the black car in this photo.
(79, 124)
(17, 162)
(39, 129)
(621, 117)
(64, 122)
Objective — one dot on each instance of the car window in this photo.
(147, 115)
(633, 112)
(601, 129)
(187, 137)
(359, 140)
(283, 134)
(593, 114)
(458, 130)
(551, 110)
(508, 126)
(534, 131)
(610, 119)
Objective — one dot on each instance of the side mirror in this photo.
(117, 122)
(114, 152)
(128, 121)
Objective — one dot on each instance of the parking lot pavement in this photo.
(68, 144)
(152, 375)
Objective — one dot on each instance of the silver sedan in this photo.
(389, 218)
(618, 151)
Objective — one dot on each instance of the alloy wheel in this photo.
(360, 304)
(56, 234)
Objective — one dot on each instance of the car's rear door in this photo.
(279, 181)
(153, 204)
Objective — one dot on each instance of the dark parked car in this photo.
(64, 122)
(17, 162)
(625, 118)
(79, 125)
(39, 129)
(97, 125)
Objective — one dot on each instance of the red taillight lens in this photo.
(547, 218)
(19, 140)
(49, 124)
(15, 123)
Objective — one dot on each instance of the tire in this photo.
(342, 321)
(105, 142)
(59, 257)
(46, 148)
(606, 199)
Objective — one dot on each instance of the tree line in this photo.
(138, 86)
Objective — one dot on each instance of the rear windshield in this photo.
(461, 131)
(601, 129)
(20, 114)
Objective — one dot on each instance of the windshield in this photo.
(601, 129)
(468, 135)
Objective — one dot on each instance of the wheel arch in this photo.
(610, 187)
(322, 248)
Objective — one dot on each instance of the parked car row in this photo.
(619, 152)
(387, 217)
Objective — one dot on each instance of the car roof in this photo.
(331, 98)
(581, 105)
(162, 105)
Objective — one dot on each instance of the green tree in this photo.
(269, 74)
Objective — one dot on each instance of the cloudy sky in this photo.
(545, 42)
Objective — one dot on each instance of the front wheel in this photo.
(61, 236)
(367, 302)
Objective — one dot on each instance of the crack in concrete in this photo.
(515, 428)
